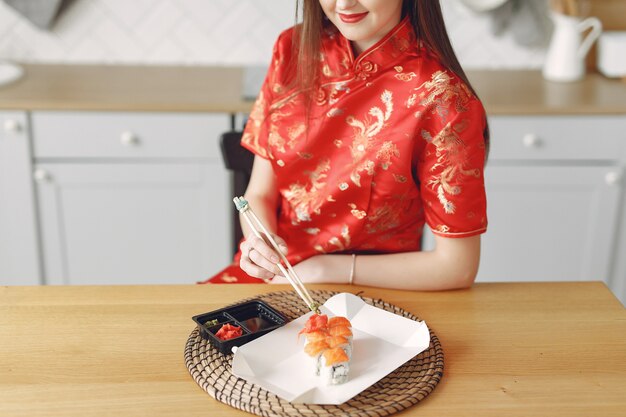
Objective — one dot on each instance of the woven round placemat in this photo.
(403, 388)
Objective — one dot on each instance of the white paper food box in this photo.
(383, 341)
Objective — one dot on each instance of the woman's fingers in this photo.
(266, 251)
(258, 259)
(281, 244)
(254, 270)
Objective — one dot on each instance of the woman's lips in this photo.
(353, 17)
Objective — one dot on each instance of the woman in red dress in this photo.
(365, 129)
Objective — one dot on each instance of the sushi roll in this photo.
(328, 346)
(335, 366)
(314, 323)
(341, 342)
(314, 351)
(341, 331)
(339, 321)
(315, 336)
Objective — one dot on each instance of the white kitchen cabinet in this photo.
(555, 200)
(131, 198)
(555, 189)
(132, 223)
(549, 223)
(19, 250)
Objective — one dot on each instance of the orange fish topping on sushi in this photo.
(314, 323)
(317, 335)
(339, 321)
(315, 348)
(334, 341)
(335, 355)
(340, 331)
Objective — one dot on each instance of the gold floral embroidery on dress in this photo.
(321, 96)
(384, 218)
(359, 214)
(365, 69)
(338, 71)
(226, 277)
(308, 200)
(365, 135)
(437, 96)
(275, 141)
(404, 76)
(442, 228)
(399, 178)
(256, 120)
(410, 102)
(278, 88)
(401, 44)
(326, 70)
(386, 152)
(294, 132)
(452, 156)
(339, 243)
(440, 91)
(334, 112)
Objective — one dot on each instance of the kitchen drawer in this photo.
(127, 135)
(558, 138)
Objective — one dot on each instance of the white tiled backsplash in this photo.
(210, 32)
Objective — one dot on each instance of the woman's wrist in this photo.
(335, 269)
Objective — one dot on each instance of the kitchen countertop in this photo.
(219, 89)
(517, 349)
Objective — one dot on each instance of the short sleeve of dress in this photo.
(451, 167)
(255, 134)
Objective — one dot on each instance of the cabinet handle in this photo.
(129, 139)
(613, 178)
(42, 176)
(530, 140)
(12, 126)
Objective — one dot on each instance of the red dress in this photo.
(395, 140)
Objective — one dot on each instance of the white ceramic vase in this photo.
(565, 60)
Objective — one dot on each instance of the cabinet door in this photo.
(135, 223)
(550, 223)
(19, 250)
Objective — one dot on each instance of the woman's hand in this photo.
(258, 259)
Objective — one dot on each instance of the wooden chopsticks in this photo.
(261, 231)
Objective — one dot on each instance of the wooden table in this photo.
(533, 349)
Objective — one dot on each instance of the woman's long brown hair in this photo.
(428, 25)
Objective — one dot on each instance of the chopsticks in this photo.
(257, 228)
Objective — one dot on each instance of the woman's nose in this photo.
(346, 4)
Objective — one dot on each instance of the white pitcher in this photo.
(565, 60)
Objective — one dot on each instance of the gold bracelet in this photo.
(352, 268)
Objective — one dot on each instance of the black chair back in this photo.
(238, 160)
